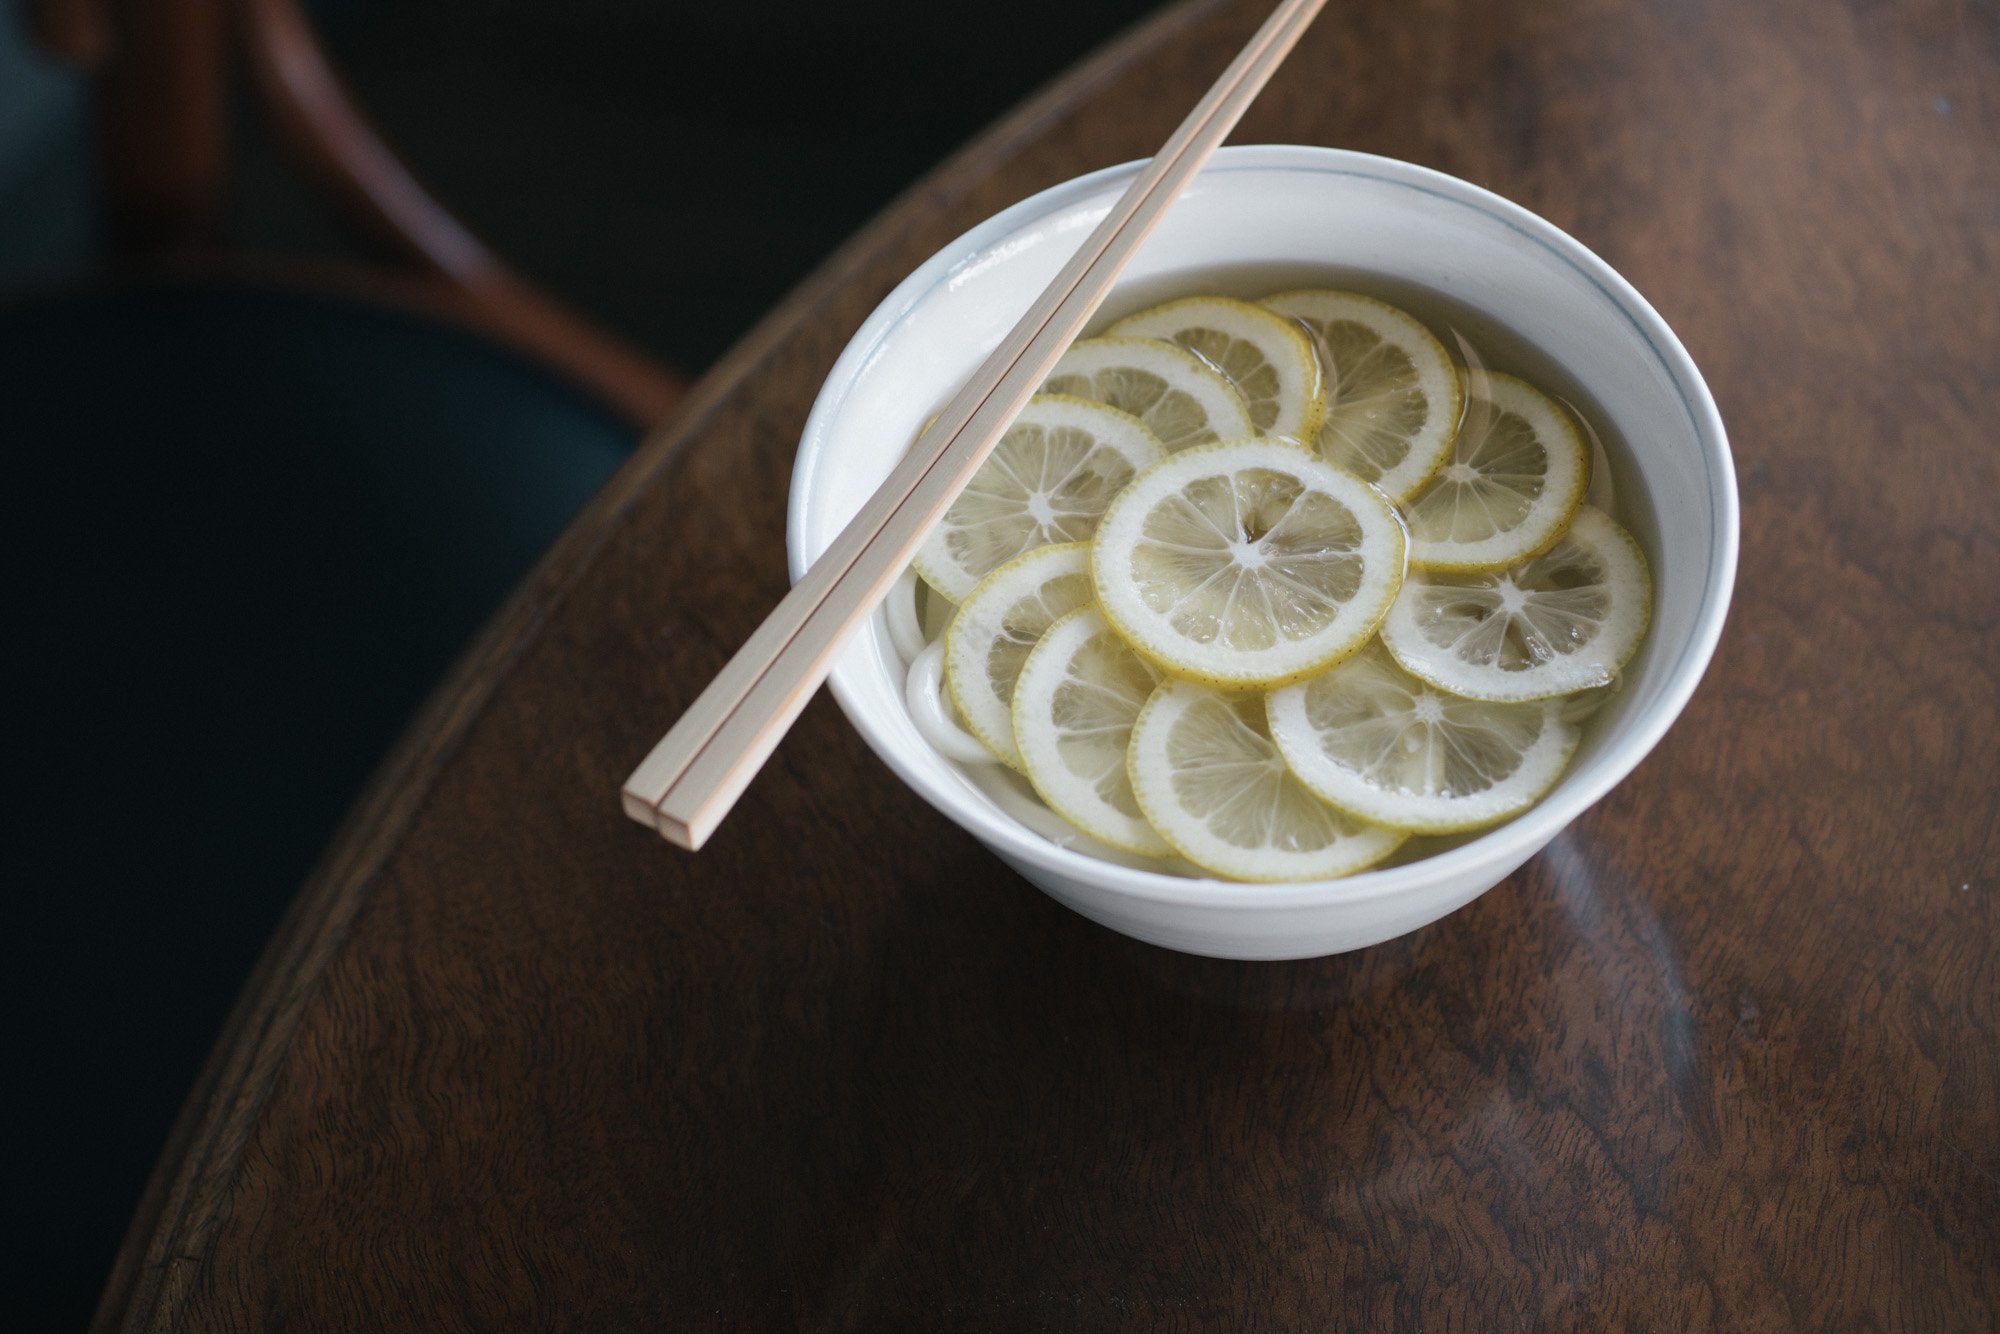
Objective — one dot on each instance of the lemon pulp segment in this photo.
(1518, 469)
(1211, 780)
(1074, 707)
(1247, 563)
(1047, 480)
(1388, 747)
(990, 637)
(1562, 621)
(1181, 398)
(1393, 394)
(1267, 357)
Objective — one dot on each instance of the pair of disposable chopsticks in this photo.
(696, 772)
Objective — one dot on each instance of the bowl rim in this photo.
(1504, 846)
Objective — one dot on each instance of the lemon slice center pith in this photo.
(1562, 621)
(1247, 563)
(1212, 781)
(1047, 481)
(1518, 470)
(1253, 587)
(1266, 357)
(1393, 395)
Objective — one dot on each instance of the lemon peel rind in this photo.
(1437, 378)
(1549, 515)
(1221, 405)
(1383, 550)
(968, 639)
(1610, 648)
(1362, 846)
(1044, 672)
(1301, 402)
(1115, 429)
(1538, 770)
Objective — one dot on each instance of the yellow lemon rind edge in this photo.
(1180, 669)
(1369, 854)
(1159, 846)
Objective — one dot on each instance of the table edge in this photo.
(185, 1199)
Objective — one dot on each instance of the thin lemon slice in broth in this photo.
(1518, 470)
(991, 636)
(1247, 563)
(1393, 394)
(1047, 481)
(1181, 398)
(1388, 747)
(1074, 705)
(1562, 621)
(1267, 357)
(1210, 779)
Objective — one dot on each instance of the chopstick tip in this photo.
(689, 834)
(682, 833)
(637, 807)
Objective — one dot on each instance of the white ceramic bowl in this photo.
(1259, 218)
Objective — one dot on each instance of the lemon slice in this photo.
(1517, 472)
(1074, 705)
(1562, 621)
(1381, 744)
(1046, 481)
(1211, 780)
(1181, 398)
(1267, 357)
(989, 639)
(1393, 396)
(1247, 563)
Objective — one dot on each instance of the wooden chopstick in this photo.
(695, 773)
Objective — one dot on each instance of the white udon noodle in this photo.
(936, 720)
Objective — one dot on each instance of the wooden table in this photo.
(1727, 1054)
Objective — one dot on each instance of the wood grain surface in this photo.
(1726, 1055)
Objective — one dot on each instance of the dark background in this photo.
(670, 169)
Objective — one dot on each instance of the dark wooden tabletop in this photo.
(1727, 1054)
